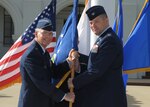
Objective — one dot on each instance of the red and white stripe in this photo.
(10, 62)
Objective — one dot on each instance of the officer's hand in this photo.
(73, 54)
(70, 97)
(70, 84)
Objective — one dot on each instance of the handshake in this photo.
(73, 60)
(70, 96)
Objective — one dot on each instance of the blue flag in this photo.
(118, 24)
(137, 47)
(68, 38)
(118, 28)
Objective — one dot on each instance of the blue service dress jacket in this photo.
(102, 84)
(37, 89)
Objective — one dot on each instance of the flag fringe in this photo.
(136, 70)
(17, 80)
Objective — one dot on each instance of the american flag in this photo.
(10, 62)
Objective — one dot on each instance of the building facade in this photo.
(16, 15)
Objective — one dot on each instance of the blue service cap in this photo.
(45, 24)
(95, 11)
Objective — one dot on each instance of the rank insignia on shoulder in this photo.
(94, 48)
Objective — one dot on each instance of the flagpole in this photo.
(130, 53)
(138, 16)
(86, 1)
(9, 63)
(63, 79)
(72, 76)
(74, 41)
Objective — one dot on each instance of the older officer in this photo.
(36, 71)
(102, 82)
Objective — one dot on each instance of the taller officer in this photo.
(102, 82)
(37, 70)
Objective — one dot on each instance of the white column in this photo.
(109, 6)
(1, 25)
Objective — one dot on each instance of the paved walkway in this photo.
(138, 96)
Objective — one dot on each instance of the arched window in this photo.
(63, 15)
(69, 8)
(8, 29)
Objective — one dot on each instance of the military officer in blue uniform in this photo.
(102, 83)
(37, 70)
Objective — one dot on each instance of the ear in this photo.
(35, 33)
